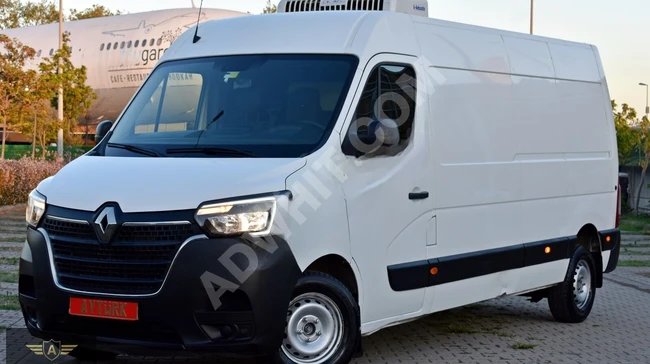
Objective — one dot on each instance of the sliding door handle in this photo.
(418, 195)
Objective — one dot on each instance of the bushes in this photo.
(20, 151)
(19, 177)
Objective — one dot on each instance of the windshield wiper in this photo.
(133, 148)
(211, 151)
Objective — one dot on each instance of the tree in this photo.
(10, 14)
(644, 145)
(77, 95)
(37, 13)
(270, 8)
(627, 138)
(13, 79)
(96, 11)
(16, 14)
(37, 118)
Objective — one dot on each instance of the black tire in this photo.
(565, 305)
(85, 354)
(336, 292)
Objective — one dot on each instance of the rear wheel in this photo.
(571, 301)
(322, 322)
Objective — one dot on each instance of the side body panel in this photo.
(522, 153)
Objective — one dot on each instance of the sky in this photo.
(618, 28)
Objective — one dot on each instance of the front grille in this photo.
(69, 229)
(135, 262)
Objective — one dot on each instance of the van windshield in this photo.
(250, 105)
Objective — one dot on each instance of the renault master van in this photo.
(283, 184)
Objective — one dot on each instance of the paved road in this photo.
(618, 331)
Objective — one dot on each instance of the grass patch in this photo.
(9, 303)
(625, 246)
(626, 251)
(14, 249)
(523, 346)
(632, 227)
(638, 219)
(636, 224)
(633, 263)
(12, 240)
(9, 261)
(9, 277)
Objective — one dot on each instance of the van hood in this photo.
(163, 184)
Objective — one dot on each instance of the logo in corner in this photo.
(106, 224)
(51, 350)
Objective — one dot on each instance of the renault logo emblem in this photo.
(106, 224)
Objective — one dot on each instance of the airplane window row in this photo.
(121, 45)
(38, 54)
(129, 44)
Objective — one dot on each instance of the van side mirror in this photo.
(102, 130)
(364, 139)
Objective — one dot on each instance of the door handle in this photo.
(418, 195)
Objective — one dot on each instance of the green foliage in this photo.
(13, 80)
(628, 138)
(37, 13)
(270, 8)
(96, 11)
(15, 14)
(77, 96)
(9, 16)
(16, 152)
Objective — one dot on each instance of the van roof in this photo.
(352, 32)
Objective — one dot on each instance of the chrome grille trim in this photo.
(48, 243)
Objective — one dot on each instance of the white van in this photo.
(283, 184)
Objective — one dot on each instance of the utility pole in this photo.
(59, 143)
(647, 108)
(532, 6)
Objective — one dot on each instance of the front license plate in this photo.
(114, 310)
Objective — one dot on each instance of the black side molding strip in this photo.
(415, 275)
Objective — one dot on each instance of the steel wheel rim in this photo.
(582, 284)
(314, 329)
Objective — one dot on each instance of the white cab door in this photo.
(386, 193)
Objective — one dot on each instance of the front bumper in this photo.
(178, 318)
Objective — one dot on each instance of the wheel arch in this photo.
(589, 238)
(341, 269)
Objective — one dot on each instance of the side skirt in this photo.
(454, 268)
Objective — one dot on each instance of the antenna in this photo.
(196, 31)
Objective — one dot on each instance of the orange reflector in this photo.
(434, 271)
(547, 250)
(608, 239)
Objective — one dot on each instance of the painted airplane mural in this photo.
(118, 51)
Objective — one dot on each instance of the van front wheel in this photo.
(571, 301)
(322, 322)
